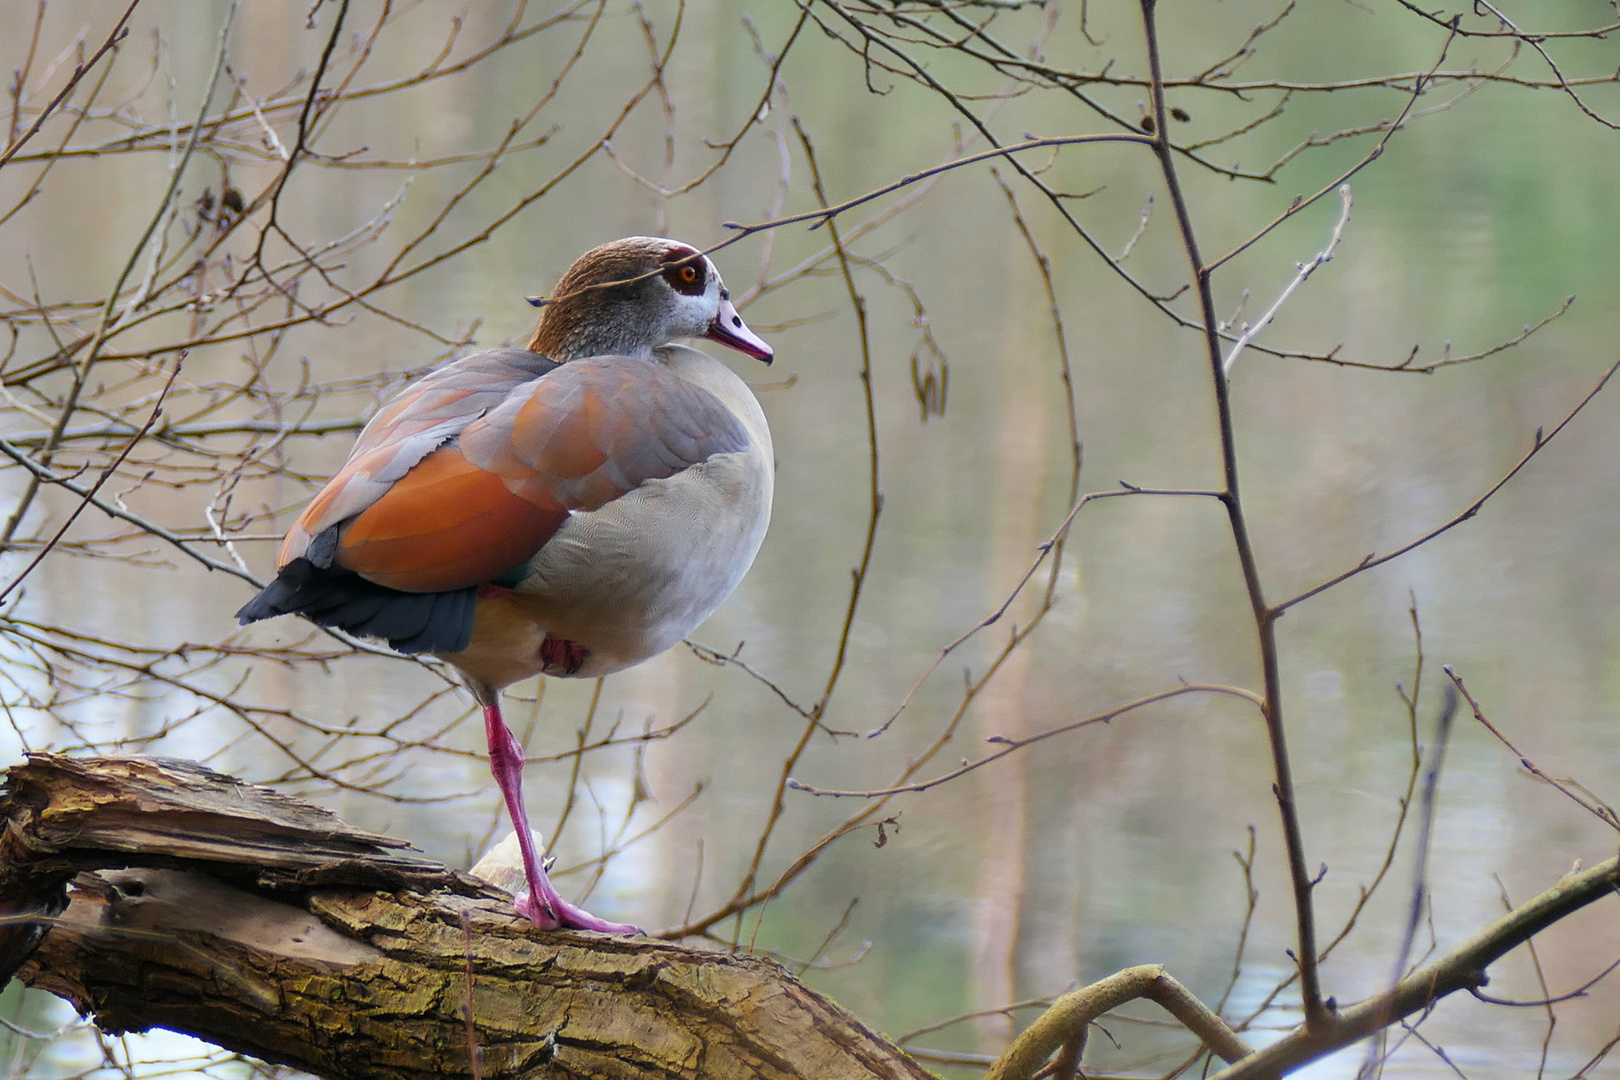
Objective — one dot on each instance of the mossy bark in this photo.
(156, 893)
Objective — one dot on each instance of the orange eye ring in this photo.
(689, 273)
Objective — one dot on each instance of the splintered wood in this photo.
(153, 892)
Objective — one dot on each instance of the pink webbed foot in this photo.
(550, 911)
(565, 916)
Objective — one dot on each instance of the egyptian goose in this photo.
(569, 509)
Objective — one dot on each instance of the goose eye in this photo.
(688, 278)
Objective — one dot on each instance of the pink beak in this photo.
(729, 329)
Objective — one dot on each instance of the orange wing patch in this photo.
(464, 478)
(556, 436)
(445, 524)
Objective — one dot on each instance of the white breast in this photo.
(632, 578)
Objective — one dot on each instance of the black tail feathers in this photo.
(438, 622)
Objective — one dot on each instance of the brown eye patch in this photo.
(688, 278)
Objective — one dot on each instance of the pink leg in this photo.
(541, 904)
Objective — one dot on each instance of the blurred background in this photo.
(458, 158)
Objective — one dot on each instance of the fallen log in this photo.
(152, 892)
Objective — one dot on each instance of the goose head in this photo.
(669, 290)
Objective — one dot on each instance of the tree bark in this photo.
(152, 892)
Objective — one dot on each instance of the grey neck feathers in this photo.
(569, 331)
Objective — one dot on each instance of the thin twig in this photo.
(89, 494)
(1420, 869)
(1300, 877)
(1010, 745)
(1306, 269)
(1597, 810)
(112, 41)
(1459, 969)
(1541, 441)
